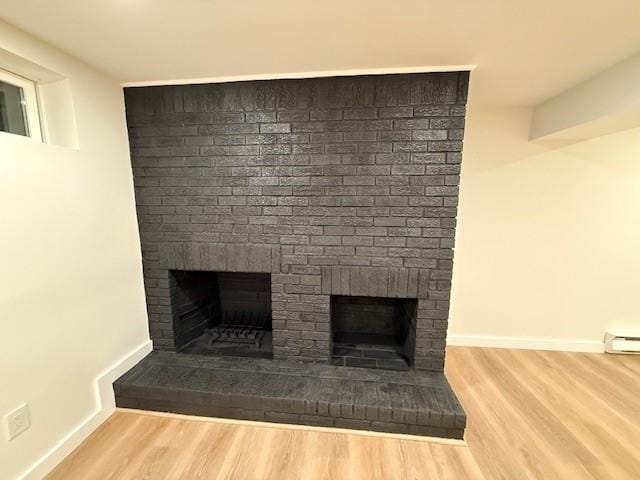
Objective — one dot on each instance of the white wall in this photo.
(71, 291)
(548, 241)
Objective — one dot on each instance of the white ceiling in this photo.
(525, 51)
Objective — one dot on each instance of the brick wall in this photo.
(380, 316)
(335, 186)
(245, 294)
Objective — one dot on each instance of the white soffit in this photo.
(606, 103)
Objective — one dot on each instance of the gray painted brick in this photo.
(342, 180)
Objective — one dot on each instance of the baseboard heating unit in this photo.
(622, 342)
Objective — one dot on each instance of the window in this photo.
(19, 106)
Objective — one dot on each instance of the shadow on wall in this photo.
(547, 239)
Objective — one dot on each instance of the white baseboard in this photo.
(105, 401)
(105, 406)
(526, 343)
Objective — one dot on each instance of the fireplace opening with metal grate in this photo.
(373, 332)
(221, 313)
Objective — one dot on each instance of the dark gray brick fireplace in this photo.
(335, 187)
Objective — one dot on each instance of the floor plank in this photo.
(531, 415)
(551, 415)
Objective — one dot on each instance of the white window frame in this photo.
(32, 109)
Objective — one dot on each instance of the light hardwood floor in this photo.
(531, 415)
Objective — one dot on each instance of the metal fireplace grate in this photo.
(241, 327)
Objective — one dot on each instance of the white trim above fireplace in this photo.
(293, 75)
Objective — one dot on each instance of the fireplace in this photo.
(297, 245)
(222, 313)
(373, 332)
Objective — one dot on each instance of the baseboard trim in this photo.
(105, 401)
(526, 343)
(105, 406)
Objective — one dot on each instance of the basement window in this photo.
(19, 112)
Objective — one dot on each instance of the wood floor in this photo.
(531, 414)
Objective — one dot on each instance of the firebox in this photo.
(221, 313)
(373, 332)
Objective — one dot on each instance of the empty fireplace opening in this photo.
(221, 313)
(373, 332)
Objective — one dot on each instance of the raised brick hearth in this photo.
(341, 192)
(420, 403)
